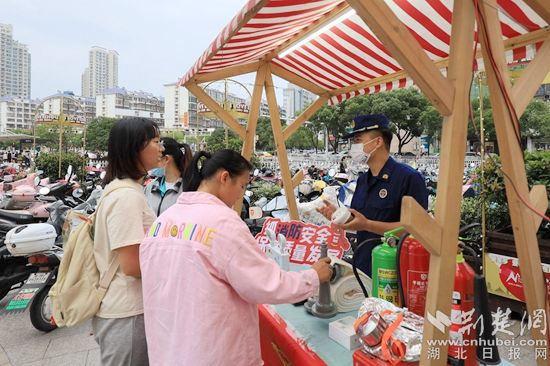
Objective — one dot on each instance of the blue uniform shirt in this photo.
(379, 199)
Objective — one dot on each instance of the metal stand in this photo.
(324, 306)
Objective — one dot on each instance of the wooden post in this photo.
(280, 144)
(248, 143)
(528, 83)
(513, 165)
(449, 193)
(217, 109)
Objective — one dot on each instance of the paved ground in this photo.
(22, 345)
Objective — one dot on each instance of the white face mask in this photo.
(357, 153)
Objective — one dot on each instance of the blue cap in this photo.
(368, 122)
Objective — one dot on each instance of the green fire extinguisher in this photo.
(384, 268)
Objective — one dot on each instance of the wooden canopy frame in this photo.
(450, 95)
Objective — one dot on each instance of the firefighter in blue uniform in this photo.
(376, 204)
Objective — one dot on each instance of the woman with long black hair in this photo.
(121, 221)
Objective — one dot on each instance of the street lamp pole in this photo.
(60, 120)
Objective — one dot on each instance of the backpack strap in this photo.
(108, 277)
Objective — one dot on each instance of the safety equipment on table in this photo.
(388, 332)
(345, 290)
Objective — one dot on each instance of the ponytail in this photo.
(228, 160)
(193, 178)
(181, 153)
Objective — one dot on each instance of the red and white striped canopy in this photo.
(346, 52)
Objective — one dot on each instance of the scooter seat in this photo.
(17, 216)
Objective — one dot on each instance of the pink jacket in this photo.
(203, 275)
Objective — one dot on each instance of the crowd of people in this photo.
(12, 155)
(190, 273)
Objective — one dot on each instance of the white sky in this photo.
(157, 41)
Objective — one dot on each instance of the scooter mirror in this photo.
(256, 172)
(332, 172)
(36, 181)
(255, 213)
(44, 191)
(77, 193)
(102, 175)
(69, 170)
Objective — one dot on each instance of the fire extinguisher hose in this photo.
(354, 262)
(398, 260)
(343, 288)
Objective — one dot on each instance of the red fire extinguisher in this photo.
(462, 332)
(413, 266)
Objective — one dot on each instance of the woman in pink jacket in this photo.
(203, 273)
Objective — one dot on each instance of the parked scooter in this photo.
(40, 245)
(13, 268)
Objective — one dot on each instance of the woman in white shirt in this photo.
(120, 224)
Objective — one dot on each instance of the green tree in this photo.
(535, 121)
(333, 121)
(49, 164)
(97, 134)
(403, 107)
(432, 121)
(216, 141)
(49, 135)
(301, 139)
(265, 135)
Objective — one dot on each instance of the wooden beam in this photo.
(525, 39)
(224, 73)
(531, 78)
(297, 178)
(406, 50)
(311, 28)
(541, 7)
(255, 103)
(449, 186)
(249, 139)
(280, 145)
(296, 80)
(536, 36)
(217, 109)
(512, 163)
(538, 198)
(415, 218)
(310, 111)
